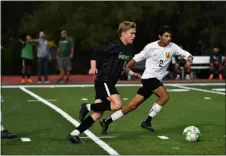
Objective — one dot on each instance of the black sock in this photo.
(86, 124)
(148, 120)
(109, 120)
(28, 73)
(211, 72)
(102, 106)
(22, 75)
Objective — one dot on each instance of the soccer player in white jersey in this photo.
(4, 132)
(158, 56)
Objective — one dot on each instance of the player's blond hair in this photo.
(125, 25)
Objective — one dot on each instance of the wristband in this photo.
(130, 72)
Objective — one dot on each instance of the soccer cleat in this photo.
(60, 81)
(178, 77)
(211, 77)
(83, 112)
(22, 81)
(5, 134)
(74, 139)
(188, 77)
(46, 81)
(147, 126)
(29, 80)
(104, 126)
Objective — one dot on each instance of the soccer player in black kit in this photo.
(111, 62)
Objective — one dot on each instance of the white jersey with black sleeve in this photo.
(158, 58)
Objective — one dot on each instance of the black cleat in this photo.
(83, 112)
(60, 80)
(104, 126)
(74, 139)
(6, 135)
(147, 126)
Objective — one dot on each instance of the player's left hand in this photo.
(92, 71)
(136, 75)
(190, 59)
(71, 56)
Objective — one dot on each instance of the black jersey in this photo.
(111, 60)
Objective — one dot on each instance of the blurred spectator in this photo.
(215, 64)
(53, 51)
(224, 62)
(43, 56)
(27, 59)
(180, 62)
(65, 53)
(224, 66)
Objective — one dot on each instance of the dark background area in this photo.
(197, 26)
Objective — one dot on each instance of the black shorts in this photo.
(104, 89)
(148, 86)
(26, 62)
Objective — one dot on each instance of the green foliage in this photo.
(92, 22)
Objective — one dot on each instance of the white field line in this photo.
(98, 141)
(177, 90)
(101, 137)
(219, 89)
(201, 90)
(25, 139)
(34, 100)
(118, 85)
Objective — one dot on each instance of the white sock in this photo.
(75, 132)
(88, 106)
(154, 110)
(117, 115)
(2, 128)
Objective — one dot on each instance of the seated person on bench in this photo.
(182, 63)
(216, 64)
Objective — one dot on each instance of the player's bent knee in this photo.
(98, 101)
(166, 97)
(96, 116)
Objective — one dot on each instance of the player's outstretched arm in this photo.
(185, 54)
(93, 69)
(36, 41)
(128, 68)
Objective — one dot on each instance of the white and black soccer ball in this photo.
(191, 133)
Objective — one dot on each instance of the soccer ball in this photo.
(191, 133)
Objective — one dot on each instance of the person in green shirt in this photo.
(215, 64)
(65, 53)
(27, 59)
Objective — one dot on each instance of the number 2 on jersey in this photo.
(161, 62)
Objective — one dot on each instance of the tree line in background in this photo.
(197, 26)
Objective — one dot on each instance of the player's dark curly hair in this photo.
(163, 29)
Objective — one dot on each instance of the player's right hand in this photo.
(57, 57)
(137, 75)
(92, 71)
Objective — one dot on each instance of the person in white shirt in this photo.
(4, 133)
(158, 56)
